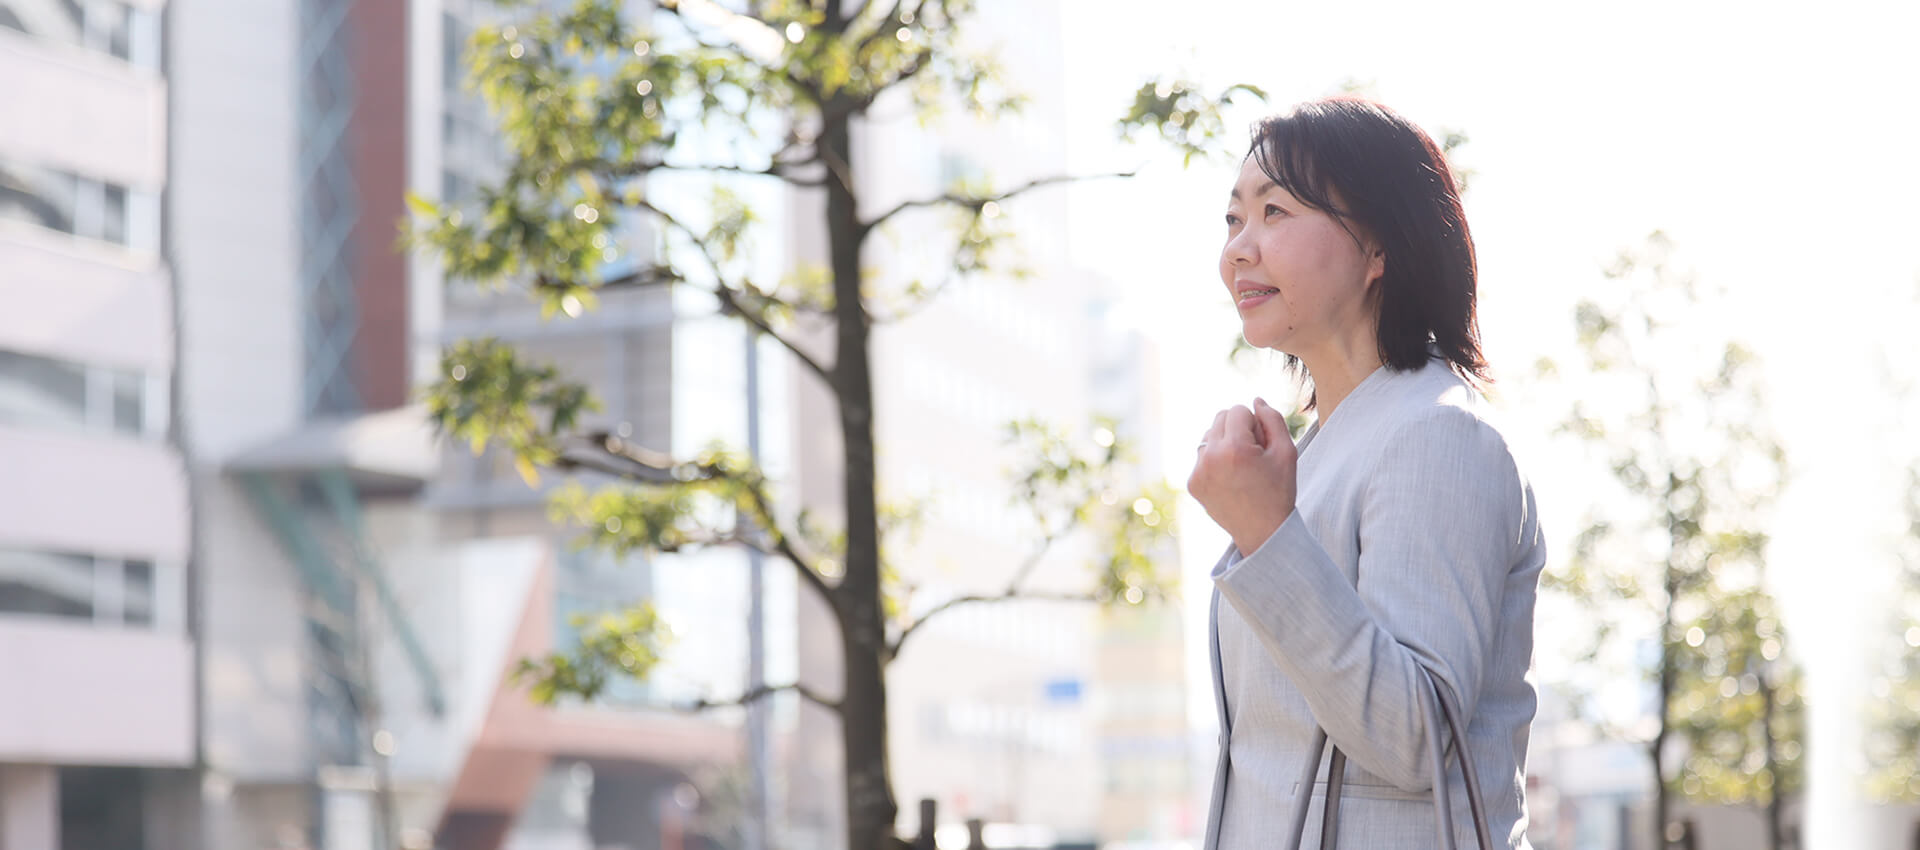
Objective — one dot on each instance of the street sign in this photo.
(1063, 691)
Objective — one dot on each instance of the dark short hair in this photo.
(1365, 165)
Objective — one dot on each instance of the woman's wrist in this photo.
(1250, 542)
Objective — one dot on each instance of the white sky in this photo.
(1774, 143)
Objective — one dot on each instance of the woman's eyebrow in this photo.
(1264, 188)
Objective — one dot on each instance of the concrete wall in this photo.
(94, 114)
(91, 303)
(70, 686)
(234, 222)
(235, 250)
(95, 494)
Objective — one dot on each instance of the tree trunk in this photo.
(1775, 835)
(869, 788)
(1668, 639)
(1659, 791)
(1667, 673)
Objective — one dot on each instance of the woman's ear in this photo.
(1376, 264)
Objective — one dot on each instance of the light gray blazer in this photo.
(1415, 543)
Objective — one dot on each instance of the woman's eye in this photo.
(1232, 219)
(1274, 210)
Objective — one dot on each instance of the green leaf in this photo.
(421, 206)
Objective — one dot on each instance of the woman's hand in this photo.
(1245, 476)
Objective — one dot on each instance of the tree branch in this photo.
(899, 642)
(1012, 592)
(887, 28)
(978, 202)
(931, 295)
(778, 169)
(619, 463)
(1033, 561)
(887, 25)
(805, 88)
(783, 543)
(761, 692)
(654, 275)
(618, 457)
(728, 298)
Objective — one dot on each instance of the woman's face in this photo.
(1299, 279)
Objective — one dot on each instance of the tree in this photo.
(592, 101)
(1893, 713)
(1893, 732)
(1677, 550)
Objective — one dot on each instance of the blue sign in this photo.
(1063, 690)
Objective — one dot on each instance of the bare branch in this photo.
(1012, 592)
(616, 457)
(729, 298)
(1033, 561)
(978, 202)
(761, 692)
(783, 543)
(654, 275)
(778, 170)
(931, 295)
(900, 642)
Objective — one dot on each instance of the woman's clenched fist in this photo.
(1245, 474)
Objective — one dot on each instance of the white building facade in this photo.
(94, 516)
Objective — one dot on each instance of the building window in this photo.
(102, 807)
(110, 591)
(107, 26)
(41, 391)
(453, 48)
(79, 206)
(49, 583)
(47, 392)
(137, 593)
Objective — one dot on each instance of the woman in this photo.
(1397, 539)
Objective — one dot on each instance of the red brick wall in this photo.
(379, 137)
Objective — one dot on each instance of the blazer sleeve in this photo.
(1441, 522)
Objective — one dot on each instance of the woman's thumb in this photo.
(1271, 421)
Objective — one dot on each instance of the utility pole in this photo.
(759, 753)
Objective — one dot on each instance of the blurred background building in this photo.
(318, 606)
(94, 511)
(364, 592)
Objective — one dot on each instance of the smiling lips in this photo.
(1250, 296)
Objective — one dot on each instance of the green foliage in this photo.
(1735, 699)
(487, 393)
(1679, 547)
(1893, 722)
(704, 505)
(1133, 539)
(626, 643)
(1067, 484)
(1177, 112)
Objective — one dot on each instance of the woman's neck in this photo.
(1338, 369)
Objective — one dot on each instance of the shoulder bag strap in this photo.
(1441, 708)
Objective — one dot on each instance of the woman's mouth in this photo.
(1255, 297)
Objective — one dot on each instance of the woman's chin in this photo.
(1263, 338)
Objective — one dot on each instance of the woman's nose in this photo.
(1240, 250)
